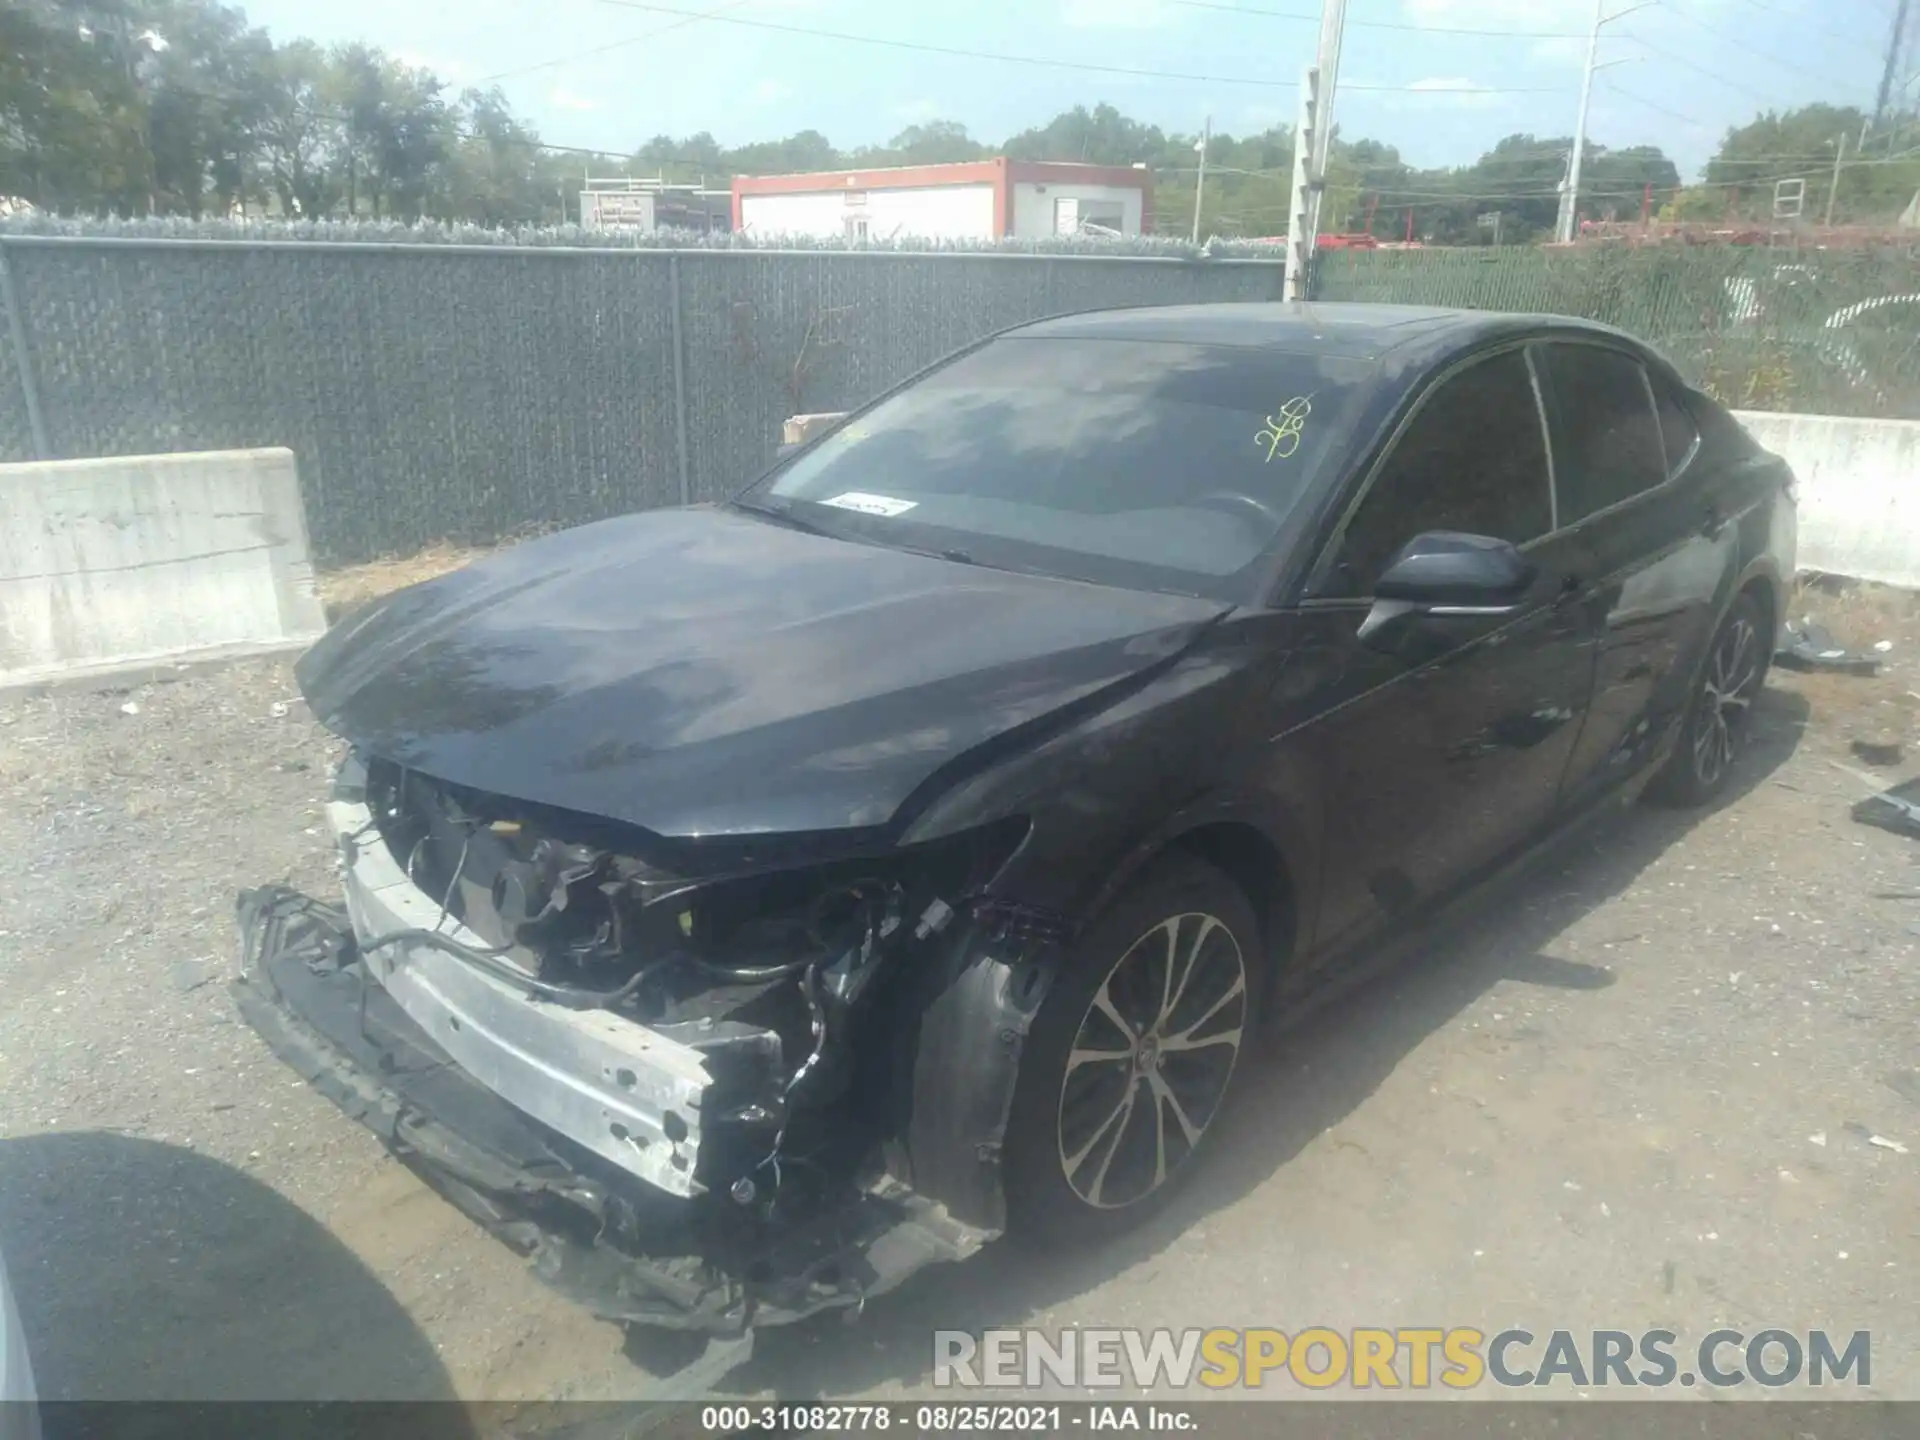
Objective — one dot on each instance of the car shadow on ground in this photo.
(1306, 1078)
(146, 1272)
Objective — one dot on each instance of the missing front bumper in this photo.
(593, 1230)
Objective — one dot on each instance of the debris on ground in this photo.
(1879, 1142)
(1805, 644)
(1896, 809)
(1879, 752)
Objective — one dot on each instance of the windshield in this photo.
(1164, 466)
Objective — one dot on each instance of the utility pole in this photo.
(1200, 184)
(1570, 191)
(1833, 185)
(1312, 143)
(1892, 67)
(1570, 187)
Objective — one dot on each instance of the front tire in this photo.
(1720, 715)
(1132, 1056)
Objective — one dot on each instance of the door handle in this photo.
(1710, 521)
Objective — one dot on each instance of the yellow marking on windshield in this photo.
(1281, 434)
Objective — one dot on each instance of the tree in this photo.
(1101, 136)
(1801, 145)
(938, 142)
(299, 133)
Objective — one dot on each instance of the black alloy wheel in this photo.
(1133, 1054)
(1722, 709)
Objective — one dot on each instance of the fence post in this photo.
(679, 383)
(22, 361)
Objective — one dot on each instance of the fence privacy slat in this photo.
(469, 392)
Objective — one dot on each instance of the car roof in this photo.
(1356, 331)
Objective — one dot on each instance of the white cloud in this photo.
(564, 99)
(916, 112)
(771, 92)
(1450, 91)
(1116, 14)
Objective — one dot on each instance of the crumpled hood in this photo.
(706, 673)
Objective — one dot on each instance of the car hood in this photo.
(704, 673)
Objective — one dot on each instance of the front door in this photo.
(1448, 751)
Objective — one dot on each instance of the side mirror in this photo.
(1447, 571)
(1442, 573)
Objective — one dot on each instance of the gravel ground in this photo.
(1636, 1092)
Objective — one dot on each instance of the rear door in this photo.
(1657, 547)
(1439, 756)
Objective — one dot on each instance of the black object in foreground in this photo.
(1809, 645)
(1896, 809)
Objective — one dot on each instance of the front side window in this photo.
(1473, 460)
(1158, 464)
(1608, 444)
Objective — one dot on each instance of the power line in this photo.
(1383, 24)
(953, 50)
(596, 50)
(1698, 69)
(1798, 67)
(1002, 57)
(1613, 89)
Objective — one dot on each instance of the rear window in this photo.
(1607, 445)
(1163, 464)
(1678, 433)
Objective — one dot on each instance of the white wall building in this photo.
(978, 200)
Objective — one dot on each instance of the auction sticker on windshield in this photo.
(871, 504)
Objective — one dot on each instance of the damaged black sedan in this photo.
(748, 905)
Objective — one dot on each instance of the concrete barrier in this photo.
(1859, 486)
(119, 563)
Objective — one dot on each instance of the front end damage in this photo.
(701, 1088)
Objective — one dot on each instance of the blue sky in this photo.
(1689, 68)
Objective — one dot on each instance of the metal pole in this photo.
(1833, 185)
(1570, 196)
(1893, 63)
(679, 384)
(23, 362)
(1333, 29)
(1300, 231)
(1312, 145)
(1200, 184)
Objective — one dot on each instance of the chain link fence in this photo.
(1823, 332)
(444, 391)
(435, 389)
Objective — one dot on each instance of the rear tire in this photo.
(1714, 734)
(1132, 1055)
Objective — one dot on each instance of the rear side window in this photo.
(1607, 447)
(1474, 460)
(1678, 433)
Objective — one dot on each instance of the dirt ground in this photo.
(1639, 1091)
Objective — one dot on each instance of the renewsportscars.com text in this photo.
(1456, 1358)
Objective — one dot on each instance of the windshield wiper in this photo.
(783, 515)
